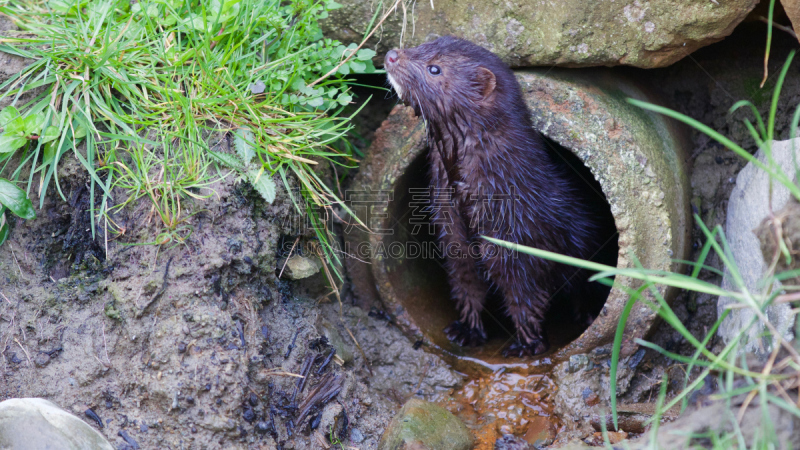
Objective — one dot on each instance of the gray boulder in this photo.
(37, 424)
(747, 207)
(570, 33)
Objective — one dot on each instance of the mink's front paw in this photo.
(462, 334)
(519, 349)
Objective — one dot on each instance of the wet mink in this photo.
(493, 175)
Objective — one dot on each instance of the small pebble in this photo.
(355, 436)
(262, 427)
(248, 415)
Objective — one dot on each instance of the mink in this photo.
(493, 175)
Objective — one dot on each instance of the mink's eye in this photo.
(434, 70)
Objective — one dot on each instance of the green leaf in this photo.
(32, 124)
(97, 10)
(345, 69)
(15, 199)
(330, 5)
(228, 6)
(214, 9)
(228, 160)
(243, 140)
(194, 21)
(262, 183)
(16, 127)
(10, 143)
(3, 231)
(168, 21)
(50, 134)
(80, 131)
(365, 54)
(358, 66)
(299, 84)
(8, 114)
(316, 102)
(150, 11)
(61, 6)
(49, 152)
(344, 99)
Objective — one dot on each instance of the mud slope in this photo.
(195, 345)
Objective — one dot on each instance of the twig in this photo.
(284, 374)
(782, 392)
(765, 371)
(105, 345)
(289, 255)
(769, 44)
(780, 27)
(422, 378)
(330, 278)
(787, 298)
(27, 355)
(15, 258)
(750, 396)
(364, 355)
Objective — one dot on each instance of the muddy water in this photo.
(506, 403)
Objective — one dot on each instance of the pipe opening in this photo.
(420, 280)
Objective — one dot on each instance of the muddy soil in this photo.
(195, 345)
(198, 345)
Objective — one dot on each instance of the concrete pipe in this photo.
(638, 159)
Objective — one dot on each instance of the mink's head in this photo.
(451, 79)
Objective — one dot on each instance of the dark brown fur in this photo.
(494, 177)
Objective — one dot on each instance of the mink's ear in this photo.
(486, 80)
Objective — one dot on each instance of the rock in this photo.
(632, 417)
(577, 362)
(792, 8)
(328, 330)
(35, 423)
(356, 436)
(747, 207)
(422, 425)
(787, 220)
(718, 419)
(614, 437)
(576, 445)
(511, 442)
(299, 267)
(570, 33)
(333, 420)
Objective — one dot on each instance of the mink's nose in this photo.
(391, 57)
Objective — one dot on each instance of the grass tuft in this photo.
(135, 91)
